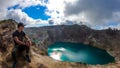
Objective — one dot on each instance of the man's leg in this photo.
(27, 50)
(28, 54)
(14, 57)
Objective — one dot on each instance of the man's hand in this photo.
(28, 43)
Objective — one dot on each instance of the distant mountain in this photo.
(73, 33)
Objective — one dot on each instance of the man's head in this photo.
(21, 26)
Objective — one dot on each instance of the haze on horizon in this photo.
(98, 14)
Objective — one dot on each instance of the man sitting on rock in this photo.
(22, 44)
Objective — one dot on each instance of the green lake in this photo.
(78, 52)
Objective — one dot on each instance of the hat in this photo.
(20, 24)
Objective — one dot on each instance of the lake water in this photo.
(78, 52)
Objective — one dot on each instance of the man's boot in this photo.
(14, 64)
(28, 58)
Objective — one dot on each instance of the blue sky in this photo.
(36, 12)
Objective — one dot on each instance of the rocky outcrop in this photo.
(6, 29)
(6, 45)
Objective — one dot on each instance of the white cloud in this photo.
(56, 10)
(19, 16)
(27, 3)
(4, 4)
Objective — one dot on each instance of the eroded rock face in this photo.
(6, 29)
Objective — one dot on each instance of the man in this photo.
(22, 44)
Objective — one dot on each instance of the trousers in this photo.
(20, 50)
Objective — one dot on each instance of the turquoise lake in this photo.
(78, 52)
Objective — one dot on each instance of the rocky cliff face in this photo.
(107, 39)
(44, 36)
(6, 29)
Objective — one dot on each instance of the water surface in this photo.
(78, 52)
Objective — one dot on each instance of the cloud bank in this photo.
(98, 12)
(94, 13)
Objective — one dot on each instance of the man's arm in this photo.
(18, 41)
(27, 38)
